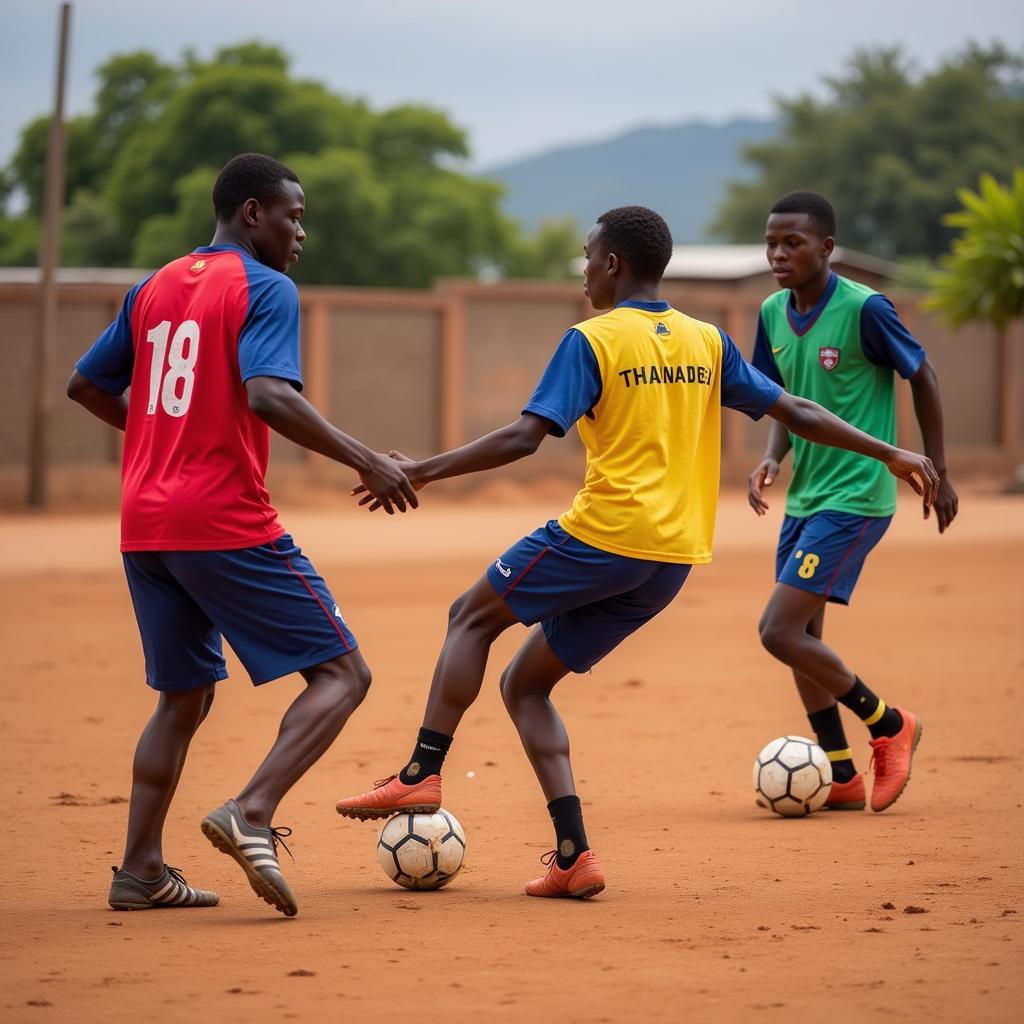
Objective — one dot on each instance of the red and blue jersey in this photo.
(186, 340)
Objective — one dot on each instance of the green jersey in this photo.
(841, 355)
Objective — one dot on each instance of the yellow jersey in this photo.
(646, 385)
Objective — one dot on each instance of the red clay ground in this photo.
(715, 911)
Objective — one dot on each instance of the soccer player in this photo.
(838, 343)
(646, 385)
(209, 345)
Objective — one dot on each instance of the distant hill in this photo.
(680, 171)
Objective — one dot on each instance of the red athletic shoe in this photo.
(891, 757)
(847, 796)
(390, 796)
(583, 880)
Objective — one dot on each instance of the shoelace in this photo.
(879, 750)
(176, 873)
(547, 859)
(277, 835)
(384, 782)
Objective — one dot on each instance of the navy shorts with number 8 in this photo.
(824, 552)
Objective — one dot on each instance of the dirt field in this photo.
(715, 911)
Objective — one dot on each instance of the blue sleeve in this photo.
(884, 339)
(744, 387)
(109, 363)
(763, 359)
(570, 386)
(268, 345)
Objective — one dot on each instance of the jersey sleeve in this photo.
(885, 340)
(109, 363)
(268, 345)
(570, 385)
(763, 359)
(744, 387)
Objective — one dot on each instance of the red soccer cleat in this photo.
(583, 880)
(892, 756)
(392, 796)
(847, 796)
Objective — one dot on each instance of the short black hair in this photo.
(248, 176)
(640, 237)
(814, 204)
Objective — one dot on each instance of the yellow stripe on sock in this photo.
(879, 711)
(846, 754)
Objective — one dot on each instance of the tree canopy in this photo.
(387, 200)
(890, 147)
(982, 278)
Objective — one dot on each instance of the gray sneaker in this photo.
(168, 890)
(255, 849)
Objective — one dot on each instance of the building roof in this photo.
(731, 262)
(735, 262)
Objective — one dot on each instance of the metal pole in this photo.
(49, 256)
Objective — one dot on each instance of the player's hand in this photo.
(763, 476)
(947, 504)
(411, 470)
(917, 470)
(386, 484)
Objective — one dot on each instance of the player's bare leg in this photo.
(242, 827)
(159, 759)
(895, 732)
(813, 696)
(476, 619)
(333, 691)
(848, 792)
(526, 687)
(785, 633)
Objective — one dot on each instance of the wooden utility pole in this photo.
(49, 257)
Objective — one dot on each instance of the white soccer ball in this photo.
(421, 851)
(792, 776)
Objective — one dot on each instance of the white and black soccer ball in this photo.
(421, 851)
(792, 776)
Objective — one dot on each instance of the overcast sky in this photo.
(519, 77)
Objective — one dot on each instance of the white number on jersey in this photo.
(181, 373)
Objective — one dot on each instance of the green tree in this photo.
(388, 202)
(28, 165)
(889, 147)
(133, 90)
(348, 219)
(982, 279)
(19, 240)
(91, 236)
(547, 254)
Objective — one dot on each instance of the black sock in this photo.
(427, 757)
(828, 727)
(880, 719)
(567, 817)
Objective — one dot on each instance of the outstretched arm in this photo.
(924, 386)
(500, 447)
(811, 421)
(283, 409)
(767, 469)
(112, 409)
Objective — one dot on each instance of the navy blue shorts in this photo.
(587, 600)
(268, 601)
(824, 553)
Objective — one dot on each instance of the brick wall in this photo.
(418, 370)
